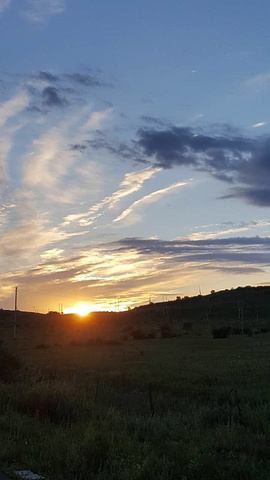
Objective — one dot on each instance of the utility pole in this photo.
(15, 313)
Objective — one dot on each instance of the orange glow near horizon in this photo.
(81, 309)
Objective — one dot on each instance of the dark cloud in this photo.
(216, 254)
(77, 147)
(47, 76)
(121, 150)
(158, 122)
(229, 157)
(87, 80)
(51, 98)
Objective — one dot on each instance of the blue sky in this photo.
(134, 152)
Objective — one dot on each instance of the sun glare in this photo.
(82, 309)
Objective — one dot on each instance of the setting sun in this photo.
(82, 309)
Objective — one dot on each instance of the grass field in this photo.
(177, 408)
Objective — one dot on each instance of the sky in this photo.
(134, 150)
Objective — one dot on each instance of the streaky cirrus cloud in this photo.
(38, 11)
(258, 82)
(231, 229)
(12, 107)
(260, 124)
(53, 170)
(4, 4)
(130, 267)
(150, 198)
(133, 181)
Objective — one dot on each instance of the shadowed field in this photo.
(162, 408)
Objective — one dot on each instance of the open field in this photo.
(167, 408)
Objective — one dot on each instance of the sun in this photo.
(81, 309)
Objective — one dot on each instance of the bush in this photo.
(42, 346)
(138, 334)
(9, 365)
(166, 331)
(236, 331)
(50, 401)
(187, 326)
(222, 332)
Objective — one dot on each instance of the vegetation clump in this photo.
(9, 366)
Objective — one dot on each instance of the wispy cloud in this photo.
(258, 82)
(151, 198)
(4, 4)
(132, 182)
(260, 124)
(38, 11)
(133, 267)
(234, 229)
(12, 107)
(55, 171)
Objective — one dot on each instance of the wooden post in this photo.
(151, 403)
(15, 313)
(96, 392)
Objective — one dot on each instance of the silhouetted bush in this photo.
(42, 346)
(187, 326)
(9, 365)
(264, 330)
(236, 331)
(113, 342)
(138, 334)
(76, 343)
(166, 331)
(222, 332)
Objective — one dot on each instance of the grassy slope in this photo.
(83, 412)
(200, 430)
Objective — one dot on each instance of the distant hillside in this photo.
(247, 307)
(250, 305)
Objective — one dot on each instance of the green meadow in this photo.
(77, 406)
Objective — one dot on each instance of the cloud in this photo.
(132, 268)
(210, 253)
(47, 76)
(38, 11)
(260, 124)
(132, 182)
(233, 229)
(151, 198)
(12, 107)
(87, 80)
(55, 172)
(258, 82)
(119, 149)
(228, 157)
(51, 98)
(4, 4)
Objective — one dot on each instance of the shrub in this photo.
(222, 332)
(166, 331)
(113, 342)
(236, 331)
(9, 365)
(138, 334)
(187, 326)
(50, 401)
(42, 346)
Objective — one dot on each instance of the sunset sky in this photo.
(134, 150)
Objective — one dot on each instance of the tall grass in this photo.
(211, 421)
